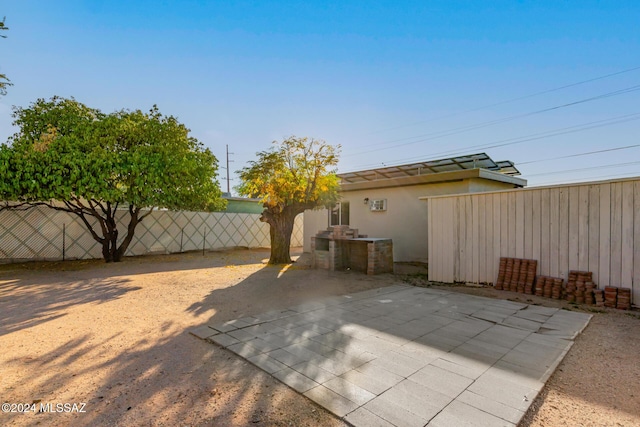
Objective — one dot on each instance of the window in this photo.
(339, 214)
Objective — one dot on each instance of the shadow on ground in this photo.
(24, 304)
(161, 374)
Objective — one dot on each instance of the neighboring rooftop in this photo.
(242, 204)
(452, 164)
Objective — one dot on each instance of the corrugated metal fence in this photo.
(588, 227)
(45, 234)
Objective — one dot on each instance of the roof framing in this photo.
(451, 164)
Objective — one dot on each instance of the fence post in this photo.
(204, 239)
(181, 237)
(64, 240)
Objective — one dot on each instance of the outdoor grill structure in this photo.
(342, 248)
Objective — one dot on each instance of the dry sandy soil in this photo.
(114, 337)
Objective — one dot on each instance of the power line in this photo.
(580, 154)
(520, 98)
(547, 134)
(528, 138)
(462, 129)
(591, 168)
(583, 180)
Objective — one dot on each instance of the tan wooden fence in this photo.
(44, 234)
(588, 227)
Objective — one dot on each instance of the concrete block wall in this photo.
(380, 256)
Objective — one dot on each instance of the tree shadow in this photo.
(143, 264)
(138, 376)
(163, 375)
(279, 286)
(27, 303)
(185, 371)
(466, 332)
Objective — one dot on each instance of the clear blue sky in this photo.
(390, 81)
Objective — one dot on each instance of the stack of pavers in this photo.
(619, 298)
(517, 275)
(598, 295)
(610, 296)
(556, 288)
(549, 287)
(506, 265)
(532, 266)
(624, 299)
(589, 287)
(580, 287)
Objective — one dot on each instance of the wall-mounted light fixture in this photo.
(366, 200)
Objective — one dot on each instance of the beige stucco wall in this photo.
(404, 221)
(314, 221)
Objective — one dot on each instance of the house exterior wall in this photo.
(405, 219)
(314, 221)
(588, 227)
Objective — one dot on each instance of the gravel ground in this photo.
(113, 337)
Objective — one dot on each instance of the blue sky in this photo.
(390, 81)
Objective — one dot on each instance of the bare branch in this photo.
(90, 228)
(141, 217)
(21, 206)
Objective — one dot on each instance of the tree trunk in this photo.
(280, 229)
(110, 241)
(110, 249)
(107, 236)
(106, 251)
(131, 228)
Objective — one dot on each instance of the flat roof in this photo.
(430, 167)
(434, 178)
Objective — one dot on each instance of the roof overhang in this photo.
(434, 178)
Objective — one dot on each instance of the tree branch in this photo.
(94, 213)
(21, 206)
(95, 235)
(141, 217)
(69, 208)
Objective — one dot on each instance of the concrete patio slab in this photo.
(405, 356)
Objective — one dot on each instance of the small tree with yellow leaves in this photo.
(295, 175)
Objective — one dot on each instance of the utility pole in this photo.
(228, 179)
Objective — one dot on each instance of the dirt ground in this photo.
(113, 337)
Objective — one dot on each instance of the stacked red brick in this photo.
(581, 289)
(598, 295)
(610, 296)
(617, 297)
(624, 299)
(517, 275)
(549, 287)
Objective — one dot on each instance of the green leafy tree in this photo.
(102, 167)
(4, 81)
(295, 175)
